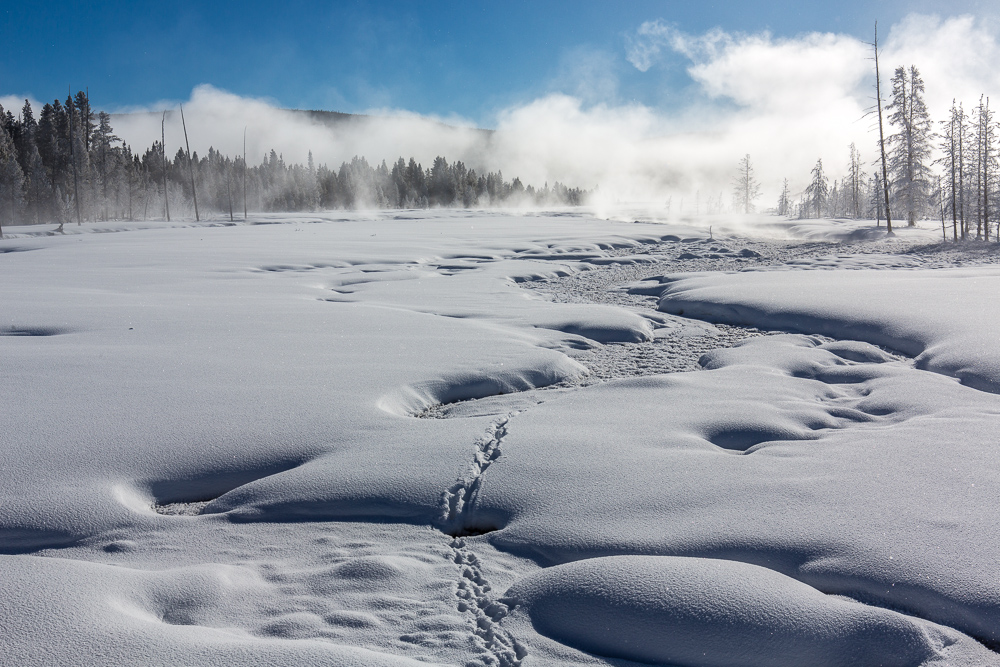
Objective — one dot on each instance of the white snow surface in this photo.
(938, 316)
(356, 439)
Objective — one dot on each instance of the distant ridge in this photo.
(320, 116)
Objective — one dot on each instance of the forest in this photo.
(67, 165)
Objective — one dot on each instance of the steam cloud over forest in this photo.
(784, 101)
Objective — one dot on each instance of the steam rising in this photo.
(785, 101)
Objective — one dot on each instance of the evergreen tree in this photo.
(784, 202)
(11, 178)
(746, 189)
(818, 191)
(855, 184)
(986, 164)
(104, 157)
(910, 146)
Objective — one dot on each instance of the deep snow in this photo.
(497, 438)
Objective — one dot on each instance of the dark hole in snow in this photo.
(32, 331)
(472, 531)
(742, 439)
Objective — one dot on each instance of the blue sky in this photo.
(448, 59)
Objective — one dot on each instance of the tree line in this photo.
(963, 192)
(67, 164)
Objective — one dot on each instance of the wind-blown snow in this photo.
(217, 447)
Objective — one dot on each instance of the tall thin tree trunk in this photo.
(72, 157)
(979, 172)
(194, 191)
(244, 172)
(986, 170)
(961, 172)
(944, 230)
(130, 193)
(881, 139)
(229, 190)
(908, 135)
(163, 148)
(954, 212)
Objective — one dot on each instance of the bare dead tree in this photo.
(163, 150)
(881, 138)
(229, 189)
(194, 191)
(72, 157)
(244, 172)
(987, 120)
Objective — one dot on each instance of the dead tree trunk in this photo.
(194, 191)
(72, 157)
(163, 149)
(881, 139)
(244, 172)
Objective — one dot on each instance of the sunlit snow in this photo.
(498, 438)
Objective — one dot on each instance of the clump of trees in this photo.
(964, 194)
(68, 165)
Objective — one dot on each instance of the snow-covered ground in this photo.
(498, 438)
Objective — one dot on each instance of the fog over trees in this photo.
(68, 165)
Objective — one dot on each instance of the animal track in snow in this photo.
(457, 501)
(472, 589)
(473, 592)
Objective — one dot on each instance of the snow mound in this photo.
(935, 315)
(702, 612)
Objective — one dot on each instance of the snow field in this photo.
(215, 455)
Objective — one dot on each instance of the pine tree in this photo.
(746, 188)
(819, 190)
(855, 180)
(11, 178)
(985, 165)
(103, 156)
(784, 203)
(910, 146)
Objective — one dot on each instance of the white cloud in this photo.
(785, 101)
(957, 58)
(793, 100)
(217, 118)
(14, 104)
